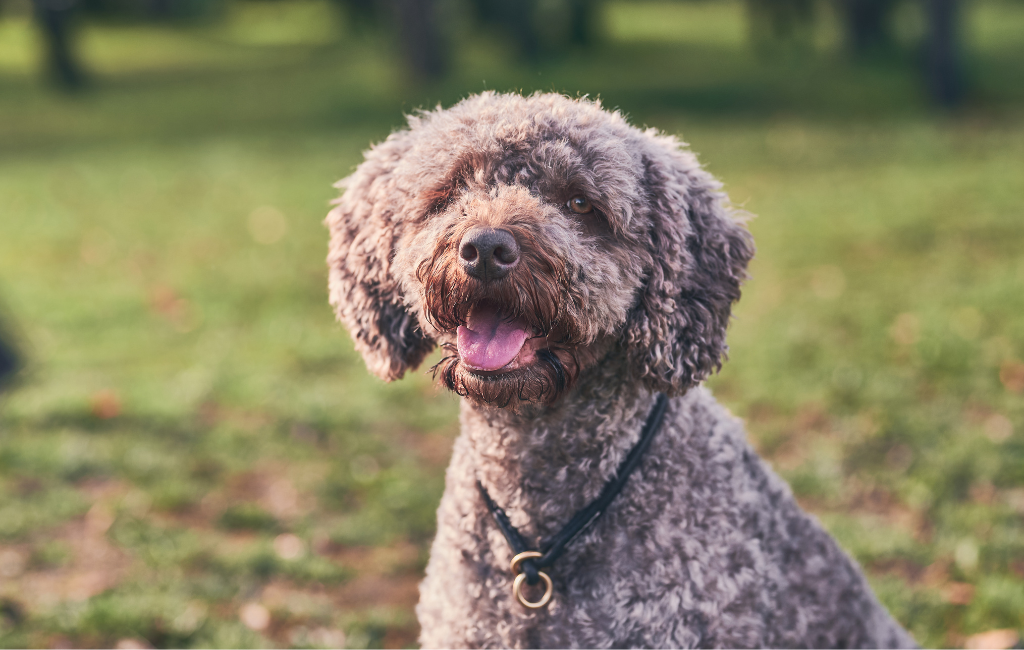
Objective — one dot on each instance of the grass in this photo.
(196, 457)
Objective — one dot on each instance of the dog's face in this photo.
(530, 238)
(521, 271)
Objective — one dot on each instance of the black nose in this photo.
(488, 253)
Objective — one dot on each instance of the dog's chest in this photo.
(627, 583)
(638, 578)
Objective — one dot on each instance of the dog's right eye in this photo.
(580, 205)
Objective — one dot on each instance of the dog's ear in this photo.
(363, 290)
(699, 252)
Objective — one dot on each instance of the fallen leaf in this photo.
(958, 593)
(105, 404)
(1011, 373)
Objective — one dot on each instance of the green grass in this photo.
(195, 444)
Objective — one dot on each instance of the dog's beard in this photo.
(544, 381)
(532, 295)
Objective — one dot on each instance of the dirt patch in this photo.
(91, 565)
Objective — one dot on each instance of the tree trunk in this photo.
(55, 18)
(867, 24)
(582, 19)
(943, 67)
(421, 41)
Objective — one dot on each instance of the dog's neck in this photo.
(543, 464)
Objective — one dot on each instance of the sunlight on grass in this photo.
(19, 45)
(120, 49)
(690, 23)
(300, 22)
(998, 25)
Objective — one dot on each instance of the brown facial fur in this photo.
(650, 274)
(538, 291)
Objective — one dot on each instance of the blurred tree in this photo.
(542, 28)
(942, 56)
(773, 21)
(583, 19)
(414, 23)
(537, 28)
(420, 40)
(56, 20)
(515, 18)
(179, 11)
(869, 30)
(363, 14)
(868, 25)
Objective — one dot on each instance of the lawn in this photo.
(196, 457)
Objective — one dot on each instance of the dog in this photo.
(578, 274)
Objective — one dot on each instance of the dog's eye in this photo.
(580, 205)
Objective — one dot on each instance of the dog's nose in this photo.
(488, 253)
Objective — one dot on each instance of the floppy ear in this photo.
(363, 290)
(675, 335)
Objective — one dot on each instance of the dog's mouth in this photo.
(492, 342)
(504, 357)
(507, 342)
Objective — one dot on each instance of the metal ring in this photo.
(525, 555)
(543, 599)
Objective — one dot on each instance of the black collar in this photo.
(552, 548)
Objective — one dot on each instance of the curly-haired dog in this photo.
(572, 266)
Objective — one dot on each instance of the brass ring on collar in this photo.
(525, 555)
(544, 600)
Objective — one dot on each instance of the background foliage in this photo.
(194, 456)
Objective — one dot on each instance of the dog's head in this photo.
(530, 237)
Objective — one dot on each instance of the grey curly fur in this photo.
(705, 546)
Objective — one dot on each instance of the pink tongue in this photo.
(486, 341)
